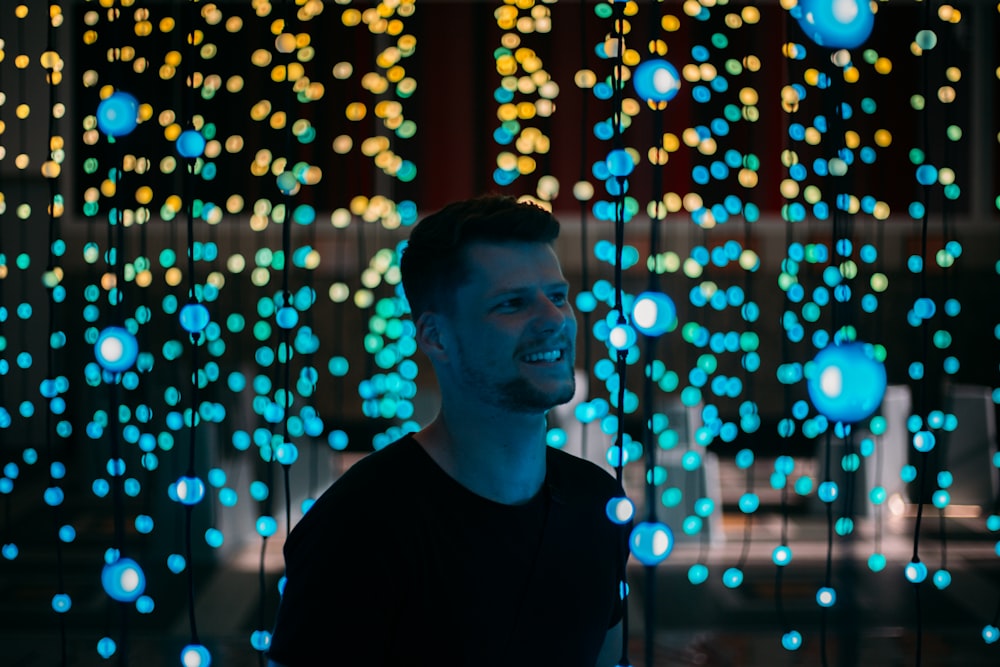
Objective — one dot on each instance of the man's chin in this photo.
(531, 399)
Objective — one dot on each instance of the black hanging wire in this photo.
(786, 355)
(616, 114)
(195, 338)
(649, 447)
(115, 258)
(52, 268)
(584, 210)
(921, 407)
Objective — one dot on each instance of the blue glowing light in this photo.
(622, 336)
(791, 641)
(653, 313)
(620, 510)
(61, 603)
(619, 162)
(116, 349)
(117, 114)
(846, 383)
(176, 563)
(189, 490)
(840, 24)
(106, 647)
(990, 634)
(260, 640)
(194, 317)
(651, 542)
(195, 655)
(656, 80)
(190, 144)
(826, 597)
(123, 580)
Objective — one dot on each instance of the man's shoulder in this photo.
(366, 488)
(579, 478)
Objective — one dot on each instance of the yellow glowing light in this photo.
(749, 96)
(883, 138)
(173, 276)
(789, 188)
(585, 78)
(691, 73)
(691, 268)
(339, 292)
(364, 298)
(692, 202)
(747, 178)
(173, 203)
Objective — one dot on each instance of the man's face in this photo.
(514, 327)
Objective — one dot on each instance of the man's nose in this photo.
(549, 317)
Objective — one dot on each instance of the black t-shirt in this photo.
(398, 564)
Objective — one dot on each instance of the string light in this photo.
(706, 313)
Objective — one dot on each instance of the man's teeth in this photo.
(552, 355)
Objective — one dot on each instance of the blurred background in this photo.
(201, 211)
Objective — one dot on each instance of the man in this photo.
(470, 543)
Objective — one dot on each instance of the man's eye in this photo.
(559, 299)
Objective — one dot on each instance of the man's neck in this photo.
(499, 456)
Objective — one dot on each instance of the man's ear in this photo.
(432, 336)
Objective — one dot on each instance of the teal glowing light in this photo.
(876, 562)
(915, 572)
(698, 574)
(781, 555)
(733, 577)
(942, 579)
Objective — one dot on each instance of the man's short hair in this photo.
(433, 263)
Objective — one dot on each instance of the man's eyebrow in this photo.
(523, 289)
